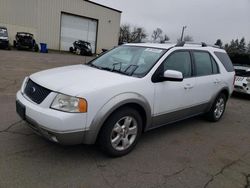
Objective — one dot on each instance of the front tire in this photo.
(121, 131)
(218, 108)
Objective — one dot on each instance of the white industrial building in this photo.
(60, 22)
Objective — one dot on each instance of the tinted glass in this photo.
(203, 63)
(225, 60)
(179, 61)
(3, 32)
(215, 66)
(129, 59)
(242, 73)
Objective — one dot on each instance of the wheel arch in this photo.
(133, 100)
(225, 91)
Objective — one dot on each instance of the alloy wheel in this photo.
(124, 133)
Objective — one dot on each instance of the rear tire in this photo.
(121, 132)
(217, 110)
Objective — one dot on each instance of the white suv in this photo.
(242, 80)
(126, 91)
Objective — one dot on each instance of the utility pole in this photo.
(182, 34)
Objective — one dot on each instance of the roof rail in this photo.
(203, 44)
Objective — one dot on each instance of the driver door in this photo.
(174, 99)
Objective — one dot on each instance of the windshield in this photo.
(130, 60)
(3, 32)
(25, 35)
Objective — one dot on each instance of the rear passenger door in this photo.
(207, 77)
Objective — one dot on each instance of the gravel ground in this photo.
(189, 154)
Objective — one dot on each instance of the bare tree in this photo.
(157, 34)
(124, 33)
(138, 34)
(128, 34)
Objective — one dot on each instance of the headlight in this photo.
(67, 103)
(24, 84)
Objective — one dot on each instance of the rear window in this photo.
(225, 60)
(242, 73)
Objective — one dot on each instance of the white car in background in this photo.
(125, 92)
(242, 80)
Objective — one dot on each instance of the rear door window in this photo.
(203, 64)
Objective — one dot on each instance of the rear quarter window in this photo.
(225, 60)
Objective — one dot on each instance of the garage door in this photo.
(77, 28)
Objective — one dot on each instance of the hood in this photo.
(78, 79)
(242, 67)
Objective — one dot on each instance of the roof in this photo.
(2, 27)
(167, 46)
(24, 33)
(242, 67)
(103, 6)
(152, 45)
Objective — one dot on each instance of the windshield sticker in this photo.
(153, 50)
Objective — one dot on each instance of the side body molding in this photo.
(112, 105)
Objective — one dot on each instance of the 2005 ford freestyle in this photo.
(133, 88)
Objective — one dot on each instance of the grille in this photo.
(239, 78)
(36, 92)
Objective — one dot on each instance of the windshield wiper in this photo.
(114, 70)
(132, 68)
(119, 63)
(129, 70)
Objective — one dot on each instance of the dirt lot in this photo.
(189, 154)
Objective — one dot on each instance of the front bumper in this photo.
(61, 127)
(242, 88)
(4, 44)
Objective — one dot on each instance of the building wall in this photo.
(43, 18)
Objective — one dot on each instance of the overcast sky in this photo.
(206, 20)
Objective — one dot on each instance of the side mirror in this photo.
(172, 75)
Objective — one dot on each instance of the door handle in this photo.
(188, 86)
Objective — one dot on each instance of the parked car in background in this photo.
(4, 38)
(81, 47)
(26, 41)
(130, 89)
(242, 80)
